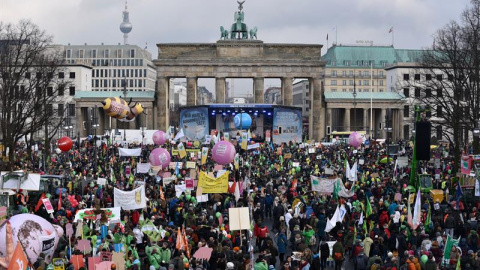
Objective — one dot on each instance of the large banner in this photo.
(327, 185)
(213, 185)
(130, 200)
(287, 125)
(125, 152)
(194, 123)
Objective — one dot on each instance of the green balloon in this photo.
(218, 214)
(188, 197)
(424, 258)
(449, 171)
(297, 169)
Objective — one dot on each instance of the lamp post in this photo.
(95, 125)
(125, 92)
(354, 102)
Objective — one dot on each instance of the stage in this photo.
(268, 122)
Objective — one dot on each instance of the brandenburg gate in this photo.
(240, 56)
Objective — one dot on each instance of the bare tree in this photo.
(29, 68)
(447, 80)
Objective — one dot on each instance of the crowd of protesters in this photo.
(290, 222)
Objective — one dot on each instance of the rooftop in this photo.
(107, 94)
(363, 95)
(361, 56)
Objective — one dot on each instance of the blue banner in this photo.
(287, 125)
(194, 123)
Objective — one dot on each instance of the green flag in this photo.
(448, 247)
(336, 190)
(428, 221)
(368, 211)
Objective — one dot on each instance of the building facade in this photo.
(356, 77)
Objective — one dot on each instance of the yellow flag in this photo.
(244, 141)
(181, 150)
(213, 185)
(236, 161)
(204, 155)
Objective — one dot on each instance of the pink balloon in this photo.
(355, 139)
(159, 157)
(223, 152)
(159, 137)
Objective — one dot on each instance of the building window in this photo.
(107, 53)
(417, 77)
(429, 113)
(72, 91)
(383, 63)
(380, 73)
(94, 53)
(439, 77)
(347, 63)
(71, 109)
(333, 63)
(381, 90)
(350, 82)
(428, 77)
(439, 92)
(334, 73)
(360, 74)
(334, 82)
(406, 132)
(366, 73)
(417, 92)
(439, 132)
(406, 77)
(72, 75)
(119, 53)
(406, 111)
(50, 91)
(334, 89)
(344, 73)
(381, 82)
(350, 73)
(450, 77)
(428, 92)
(344, 90)
(69, 53)
(365, 82)
(81, 54)
(60, 110)
(344, 82)
(439, 111)
(359, 82)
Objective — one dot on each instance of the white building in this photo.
(114, 64)
(301, 98)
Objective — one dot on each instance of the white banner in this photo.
(179, 189)
(253, 146)
(477, 188)
(143, 167)
(130, 200)
(101, 181)
(326, 185)
(202, 198)
(125, 152)
(114, 217)
(328, 171)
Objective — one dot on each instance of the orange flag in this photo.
(19, 260)
(185, 241)
(179, 244)
(161, 193)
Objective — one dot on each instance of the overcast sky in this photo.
(278, 21)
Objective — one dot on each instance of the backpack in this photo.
(298, 239)
(312, 241)
(375, 266)
(361, 262)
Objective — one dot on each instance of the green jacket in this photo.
(165, 254)
(260, 266)
(154, 259)
(308, 234)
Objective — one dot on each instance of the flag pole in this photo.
(393, 36)
(371, 100)
(336, 35)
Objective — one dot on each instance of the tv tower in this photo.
(125, 26)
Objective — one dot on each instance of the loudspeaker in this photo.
(329, 130)
(423, 134)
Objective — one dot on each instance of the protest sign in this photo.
(239, 218)
(213, 185)
(130, 200)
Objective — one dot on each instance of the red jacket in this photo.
(383, 219)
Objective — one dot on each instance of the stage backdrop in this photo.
(287, 125)
(194, 123)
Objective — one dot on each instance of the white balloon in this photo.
(36, 234)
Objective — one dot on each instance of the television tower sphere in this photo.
(126, 26)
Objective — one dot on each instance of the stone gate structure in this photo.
(241, 58)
